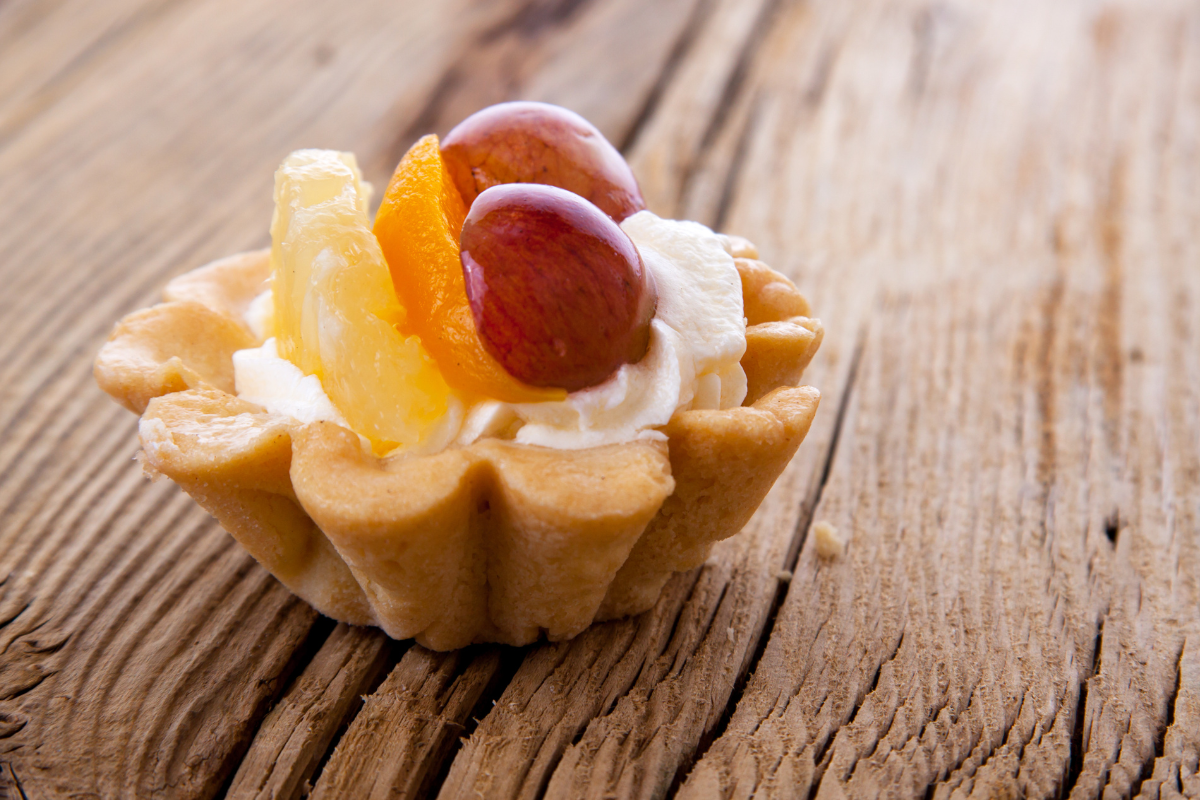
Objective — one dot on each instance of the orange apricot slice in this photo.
(418, 226)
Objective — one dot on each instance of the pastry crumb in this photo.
(829, 543)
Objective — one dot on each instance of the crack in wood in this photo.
(931, 718)
(24, 681)
(349, 719)
(317, 637)
(736, 165)
(706, 738)
(368, 689)
(408, 727)
(736, 83)
(679, 51)
(197, 701)
(11, 723)
(861, 703)
(950, 768)
(804, 521)
(1008, 732)
(510, 662)
(1172, 699)
(534, 19)
(693, 581)
(1112, 526)
(1079, 734)
(10, 785)
(12, 617)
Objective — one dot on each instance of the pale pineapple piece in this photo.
(336, 312)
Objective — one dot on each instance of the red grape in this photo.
(526, 142)
(558, 291)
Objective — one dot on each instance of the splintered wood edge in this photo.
(296, 735)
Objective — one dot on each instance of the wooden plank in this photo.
(556, 691)
(298, 733)
(396, 745)
(1016, 476)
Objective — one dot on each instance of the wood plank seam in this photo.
(807, 510)
(682, 47)
(1075, 763)
(737, 164)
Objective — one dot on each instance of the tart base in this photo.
(493, 542)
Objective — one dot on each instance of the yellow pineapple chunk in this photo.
(336, 311)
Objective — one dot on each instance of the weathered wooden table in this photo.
(994, 207)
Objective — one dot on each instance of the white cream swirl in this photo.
(697, 339)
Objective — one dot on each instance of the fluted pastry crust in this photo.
(496, 541)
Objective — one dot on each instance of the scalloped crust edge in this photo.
(495, 542)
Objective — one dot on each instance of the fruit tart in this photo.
(513, 404)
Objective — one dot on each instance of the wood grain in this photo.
(991, 206)
(1014, 472)
(296, 736)
(396, 745)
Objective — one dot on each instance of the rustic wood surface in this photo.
(993, 207)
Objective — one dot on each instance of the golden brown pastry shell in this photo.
(496, 541)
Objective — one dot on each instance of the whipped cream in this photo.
(279, 386)
(697, 339)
